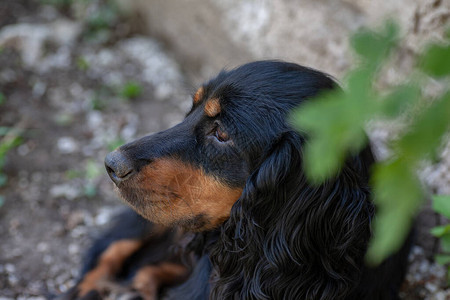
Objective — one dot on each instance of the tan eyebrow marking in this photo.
(212, 107)
(198, 95)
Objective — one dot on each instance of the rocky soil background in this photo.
(78, 78)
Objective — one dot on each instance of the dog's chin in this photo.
(158, 210)
(144, 205)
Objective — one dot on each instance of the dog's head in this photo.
(192, 174)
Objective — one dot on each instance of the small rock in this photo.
(27, 38)
(78, 232)
(23, 150)
(10, 268)
(13, 280)
(103, 217)
(64, 190)
(39, 89)
(440, 296)
(94, 119)
(74, 249)
(8, 75)
(42, 247)
(75, 219)
(37, 177)
(65, 32)
(431, 287)
(30, 39)
(47, 259)
(67, 145)
(59, 60)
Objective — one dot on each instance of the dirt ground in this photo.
(73, 90)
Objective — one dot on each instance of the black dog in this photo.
(231, 172)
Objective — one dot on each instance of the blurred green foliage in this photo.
(114, 144)
(100, 21)
(92, 172)
(102, 96)
(89, 175)
(104, 17)
(131, 90)
(441, 204)
(64, 119)
(335, 123)
(82, 64)
(98, 103)
(436, 60)
(9, 139)
(98, 17)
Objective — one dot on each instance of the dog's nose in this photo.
(118, 166)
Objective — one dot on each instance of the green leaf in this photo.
(2, 98)
(319, 163)
(445, 243)
(436, 60)
(399, 100)
(372, 46)
(397, 196)
(440, 231)
(334, 128)
(9, 142)
(442, 259)
(360, 85)
(2, 200)
(441, 204)
(333, 124)
(425, 135)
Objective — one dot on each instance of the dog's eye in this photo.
(220, 135)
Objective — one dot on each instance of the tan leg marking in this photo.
(149, 279)
(108, 265)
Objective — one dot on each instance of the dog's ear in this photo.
(283, 228)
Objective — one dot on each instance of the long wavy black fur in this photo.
(287, 238)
